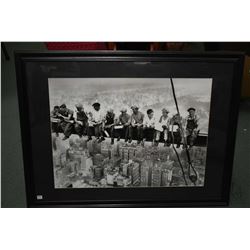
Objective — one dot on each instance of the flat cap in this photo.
(191, 109)
(123, 110)
(96, 104)
(134, 107)
(63, 106)
(79, 105)
(165, 110)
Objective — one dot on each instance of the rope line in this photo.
(178, 158)
(192, 178)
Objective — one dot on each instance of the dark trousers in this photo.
(125, 131)
(90, 130)
(149, 134)
(80, 129)
(191, 136)
(111, 131)
(55, 127)
(137, 131)
(67, 128)
(98, 130)
(176, 137)
(122, 132)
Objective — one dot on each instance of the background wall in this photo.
(245, 92)
(12, 174)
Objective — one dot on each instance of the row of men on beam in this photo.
(135, 125)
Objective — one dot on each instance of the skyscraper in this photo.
(166, 177)
(98, 159)
(104, 149)
(125, 154)
(135, 173)
(131, 153)
(98, 172)
(156, 175)
(145, 175)
(89, 164)
(146, 171)
(125, 169)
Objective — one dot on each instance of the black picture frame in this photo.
(33, 68)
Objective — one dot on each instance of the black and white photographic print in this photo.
(129, 132)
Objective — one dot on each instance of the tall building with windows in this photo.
(135, 173)
(89, 164)
(145, 176)
(98, 159)
(156, 175)
(127, 152)
(166, 177)
(146, 171)
(125, 167)
(105, 149)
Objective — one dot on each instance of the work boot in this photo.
(130, 140)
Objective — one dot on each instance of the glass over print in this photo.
(129, 132)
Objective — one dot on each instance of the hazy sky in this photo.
(192, 86)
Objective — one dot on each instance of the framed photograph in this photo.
(128, 129)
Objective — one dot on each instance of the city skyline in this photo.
(82, 164)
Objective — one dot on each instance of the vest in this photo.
(110, 119)
(192, 123)
(81, 116)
